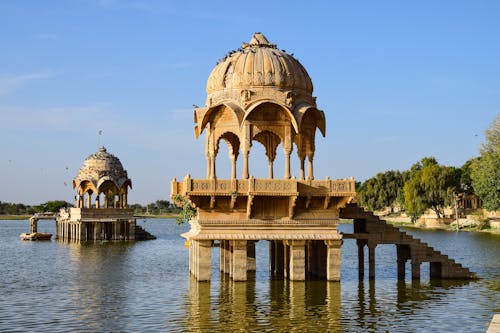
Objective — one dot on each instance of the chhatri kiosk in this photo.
(101, 211)
(260, 94)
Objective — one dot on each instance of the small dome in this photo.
(259, 64)
(100, 167)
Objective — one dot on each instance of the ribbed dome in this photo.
(259, 64)
(101, 166)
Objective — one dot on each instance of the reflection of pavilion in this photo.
(101, 211)
(97, 295)
(287, 306)
(262, 94)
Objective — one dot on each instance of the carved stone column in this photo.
(245, 149)
(203, 260)
(287, 163)
(209, 169)
(233, 166)
(302, 172)
(271, 172)
(333, 259)
(297, 260)
(212, 165)
(310, 172)
(245, 173)
(239, 260)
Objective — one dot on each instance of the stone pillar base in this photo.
(333, 259)
(203, 251)
(297, 258)
(239, 262)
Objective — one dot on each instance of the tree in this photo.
(52, 206)
(465, 177)
(485, 171)
(431, 186)
(381, 191)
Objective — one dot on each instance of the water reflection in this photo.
(226, 305)
(145, 287)
(99, 287)
(285, 306)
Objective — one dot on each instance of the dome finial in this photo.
(102, 149)
(258, 39)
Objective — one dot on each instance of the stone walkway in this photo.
(494, 324)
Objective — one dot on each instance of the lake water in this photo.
(145, 287)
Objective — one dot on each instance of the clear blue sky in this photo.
(398, 80)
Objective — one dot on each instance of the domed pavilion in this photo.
(263, 94)
(259, 94)
(101, 211)
(102, 173)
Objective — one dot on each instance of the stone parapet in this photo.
(263, 187)
(77, 214)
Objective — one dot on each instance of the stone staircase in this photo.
(142, 234)
(371, 229)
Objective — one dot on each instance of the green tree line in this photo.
(7, 208)
(430, 185)
(158, 207)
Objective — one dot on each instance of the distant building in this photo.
(101, 211)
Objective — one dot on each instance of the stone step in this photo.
(375, 225)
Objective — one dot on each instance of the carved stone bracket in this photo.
(326, 202)
(308, 201)
(234, 195)
(212, 201)
(249, 206)
(291, 207)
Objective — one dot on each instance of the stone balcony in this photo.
(265, 199)
(263, 187)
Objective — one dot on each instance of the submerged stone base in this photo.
(89, 224)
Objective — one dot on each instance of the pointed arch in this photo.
(203, 116)
(255, 106)
(305, 113)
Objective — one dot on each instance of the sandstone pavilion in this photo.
(101, 211)
(260, 94)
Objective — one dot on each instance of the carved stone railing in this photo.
(101, 213)
(253, 186)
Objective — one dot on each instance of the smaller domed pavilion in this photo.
(101, 211)
(103, 173)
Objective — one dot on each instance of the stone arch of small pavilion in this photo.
(102, 173)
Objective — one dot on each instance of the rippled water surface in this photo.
(145, 286)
